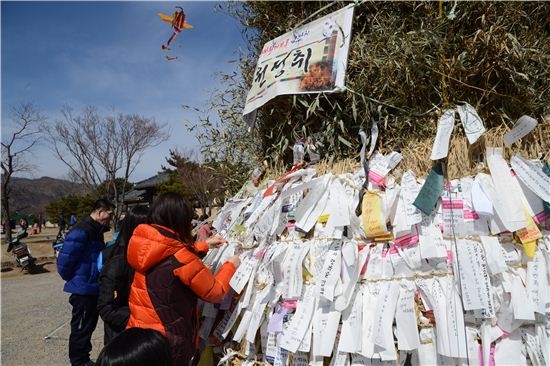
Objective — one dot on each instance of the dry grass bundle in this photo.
(408, 61)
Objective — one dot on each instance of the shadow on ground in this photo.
(40, 268)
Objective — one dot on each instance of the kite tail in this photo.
(171, 38)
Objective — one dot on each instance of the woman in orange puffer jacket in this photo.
(170, 276)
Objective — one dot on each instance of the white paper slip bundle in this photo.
(465, 283)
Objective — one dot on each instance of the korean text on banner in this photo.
(309, 59)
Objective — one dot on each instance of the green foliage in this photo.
(407, 63)
(202, 184)
(173, 184)
(70, 205)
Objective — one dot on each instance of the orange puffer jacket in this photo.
(168, 280)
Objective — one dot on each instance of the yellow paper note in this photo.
(323, 219)
(373, 218)
(529, 235)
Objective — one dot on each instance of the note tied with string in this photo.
(372, 215)
(430, 191)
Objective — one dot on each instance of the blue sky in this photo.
(107, 55)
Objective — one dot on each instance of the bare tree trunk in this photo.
(6, 215)
(6, 193)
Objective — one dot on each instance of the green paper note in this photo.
(430, 192)
(546, 170)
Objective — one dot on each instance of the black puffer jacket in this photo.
(114, 290)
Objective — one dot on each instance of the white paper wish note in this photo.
(508, 206)
(243, 273)
(449, 318)
(521, 303)
(339, 212)
(523, 126)
(474, 275)
(352, 318)
(445, 127)
(427, 355)
(299, 324)
(405, 318)
(325, 325)
(471, 121)
(494, 254)
(292, 267)
(409, 191)
(531, 174)
(330, 274)
(510, 350)
(482, 204)
(382, 334)
(533, 345)
(537, 282)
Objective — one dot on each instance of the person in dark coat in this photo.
(77, 265)
(116, 277)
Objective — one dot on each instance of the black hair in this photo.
(136, 347)
(203, 217)
(137, 215)
(171, 211)
(103, 204)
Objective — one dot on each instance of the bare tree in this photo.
(101, 149)
(201, 181)
(26, 130)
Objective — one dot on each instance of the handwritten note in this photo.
(352, 317)
(445, 127)
(409, 191)
(474, 275)
(494, 254)
(533, 176)
(471, 121)
(243, 273)
(330, 274)
(405, 318)
(373, 218)
(430, 191)
(299, 324)
(523, 126)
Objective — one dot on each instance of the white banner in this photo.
(310, 59)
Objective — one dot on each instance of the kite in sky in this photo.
(177, 21)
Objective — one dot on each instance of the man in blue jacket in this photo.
(77, 264)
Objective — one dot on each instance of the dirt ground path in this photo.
(32, 307)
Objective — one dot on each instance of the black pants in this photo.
(83, 324)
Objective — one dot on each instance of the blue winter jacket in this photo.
(77, 261)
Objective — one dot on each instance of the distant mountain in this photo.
(31, 196)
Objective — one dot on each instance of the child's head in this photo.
(136, 347)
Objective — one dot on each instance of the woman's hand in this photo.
(215, 242)
(236, 260)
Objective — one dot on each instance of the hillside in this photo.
(31, 196)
